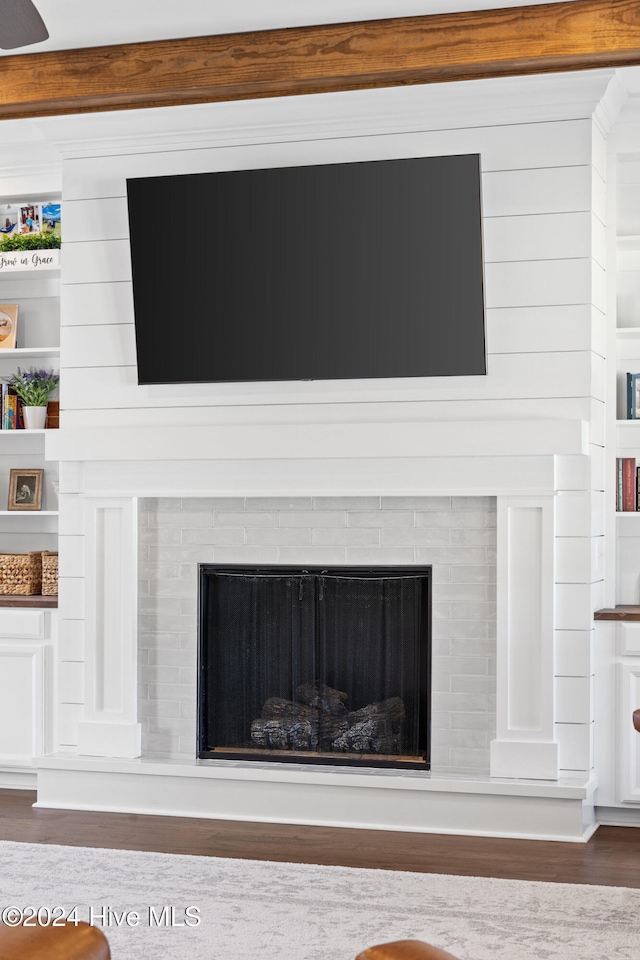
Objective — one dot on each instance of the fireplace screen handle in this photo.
(320, 578)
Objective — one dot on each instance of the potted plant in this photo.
(34, 387)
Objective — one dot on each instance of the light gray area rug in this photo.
(275, 911)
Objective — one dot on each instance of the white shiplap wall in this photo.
(543, 203)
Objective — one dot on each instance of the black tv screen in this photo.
(339, 271)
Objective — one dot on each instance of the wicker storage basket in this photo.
(49, 573)
(20, 574)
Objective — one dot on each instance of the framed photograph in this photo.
(633, 396)
(25, 489)
(8, 325)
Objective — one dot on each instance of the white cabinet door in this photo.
(22, 731)
(629, 757)
(27, 641)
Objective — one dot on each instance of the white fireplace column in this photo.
(110, 727)
(524, 744)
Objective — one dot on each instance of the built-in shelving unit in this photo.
(35, 287)
(627, 431)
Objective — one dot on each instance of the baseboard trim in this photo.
(618, 816)
(17, 779)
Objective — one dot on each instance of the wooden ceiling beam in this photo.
(578, 35)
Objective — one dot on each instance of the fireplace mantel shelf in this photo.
(330, 440)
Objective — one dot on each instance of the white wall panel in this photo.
(598, 241)
(104, 219)
(575, 745)
(574, 699)
(572, 473)
(103, 261)
(84, 304)
(510, 376)
(71, 597)
(508, 193)
(574, 653)
(539, 329)
(573, 606)
(538, 237)
(598, 286)
(599, 196)
(537, 283)
(71, 682)
(71, 555)
(573, 560)
(105, 346)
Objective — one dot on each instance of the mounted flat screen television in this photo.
(339, 271)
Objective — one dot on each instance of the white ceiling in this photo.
(89, 23)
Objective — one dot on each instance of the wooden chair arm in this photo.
(636, 720)
(405, 950)
(66, 942)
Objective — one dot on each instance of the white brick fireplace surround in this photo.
(497, 481)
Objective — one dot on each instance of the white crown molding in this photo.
(610, 106)
(362, 113)
(37, 181)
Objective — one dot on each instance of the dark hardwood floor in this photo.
(611, 857)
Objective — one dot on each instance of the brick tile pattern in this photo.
(456, 535)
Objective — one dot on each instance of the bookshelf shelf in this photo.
(28, 513)
(22, 352)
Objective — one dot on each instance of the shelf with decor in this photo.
(29, 339)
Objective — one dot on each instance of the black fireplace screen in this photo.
(315, 665)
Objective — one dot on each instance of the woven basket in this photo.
(20, 574)
(49, 573)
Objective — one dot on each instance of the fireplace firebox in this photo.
(315, 665)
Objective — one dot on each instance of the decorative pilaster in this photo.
(524, 744)
(110, 727)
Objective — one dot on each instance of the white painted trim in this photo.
(362, 113)
(110, 726)
(337, 797)
(524, 741)
(18, 779)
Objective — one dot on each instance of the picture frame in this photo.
(25, 489)
(8, 325)
(633, 396)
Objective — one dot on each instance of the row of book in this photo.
(627, 485)
(10, 409)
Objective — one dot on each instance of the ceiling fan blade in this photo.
(20, 24)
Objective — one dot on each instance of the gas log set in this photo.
(318, 720)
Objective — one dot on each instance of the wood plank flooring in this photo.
(610, 858)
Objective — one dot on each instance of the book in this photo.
(638, 488)
(628, 484)
(9, 409)
(618, 484)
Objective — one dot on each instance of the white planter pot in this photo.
(34, 417)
